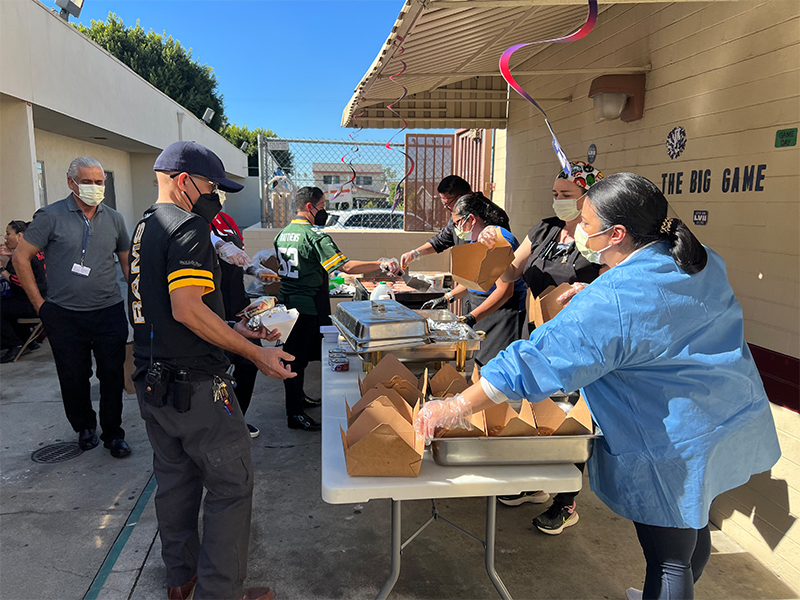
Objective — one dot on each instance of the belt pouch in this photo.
(182, 391)
(157, 385)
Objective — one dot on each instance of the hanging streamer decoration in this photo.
(353, 152)
(398, 190)
(578, 34)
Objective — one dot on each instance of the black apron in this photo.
(502, 327)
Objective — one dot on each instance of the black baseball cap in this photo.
(195, 159)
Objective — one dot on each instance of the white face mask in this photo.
(566, 209)
(581, 237)
(90, 193)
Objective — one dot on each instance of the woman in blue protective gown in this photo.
(656, 344)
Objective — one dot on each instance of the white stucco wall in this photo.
(19, 196)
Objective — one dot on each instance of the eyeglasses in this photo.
(214, 185)
(461, 220)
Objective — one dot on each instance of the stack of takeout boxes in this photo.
(380, 439)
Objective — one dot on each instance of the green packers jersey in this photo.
(306, 255)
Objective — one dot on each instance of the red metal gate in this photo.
(433, 159)
(472, 158)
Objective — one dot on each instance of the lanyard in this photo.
(87, 230)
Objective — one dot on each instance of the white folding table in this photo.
(434, 481)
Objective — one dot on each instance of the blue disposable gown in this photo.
(662, 362)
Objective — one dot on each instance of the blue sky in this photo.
(289, 66)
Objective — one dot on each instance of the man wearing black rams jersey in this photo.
(193, 420)
(306, 255)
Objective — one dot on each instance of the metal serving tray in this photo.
(382, 325)
(541, 450)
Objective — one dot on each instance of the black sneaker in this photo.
(517, 499)
(310, 402)
(556, 518)
(304, 422)
(13, 353)
(254, 432)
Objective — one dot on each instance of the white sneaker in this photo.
(633, 594)
(517, 499)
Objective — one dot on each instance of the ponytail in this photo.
(637, 204)
(685, 248)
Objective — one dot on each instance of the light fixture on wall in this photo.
(208, 115)
(69, 7)
(244, 146)
(618, 97)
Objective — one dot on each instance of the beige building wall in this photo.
(361, 245)
(18, 180)
(58, 151)
(499, 175)
(729, 74)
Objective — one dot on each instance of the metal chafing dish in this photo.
(541, 450)
(423, 336)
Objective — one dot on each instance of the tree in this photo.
(164, 62)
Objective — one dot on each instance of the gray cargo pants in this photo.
(203, 447)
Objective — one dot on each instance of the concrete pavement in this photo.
(86, 528)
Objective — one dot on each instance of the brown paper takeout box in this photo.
(478, 422)
(447, 382)
(393, 374)
(272, 286)
(477, 267)
(381, 442)
(545, 307)
(578, 422)
(504, 421)
(384, 395)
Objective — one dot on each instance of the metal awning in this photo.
(452, 49)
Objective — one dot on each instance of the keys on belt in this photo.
(220, 390)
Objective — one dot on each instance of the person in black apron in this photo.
(549, 256)
(499, 310)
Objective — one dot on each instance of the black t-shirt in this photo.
(550, 264)
(172, 249)
(39, 274)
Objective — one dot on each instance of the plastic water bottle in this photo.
(382, 291)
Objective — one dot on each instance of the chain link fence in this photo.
(363, 202)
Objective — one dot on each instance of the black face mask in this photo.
(321, 218)
(207, 205)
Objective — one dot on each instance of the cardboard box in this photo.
(503, 421)
(384, 395)
(395, 375)
(274, 286)
(549, 415)
(447, 382)
(545, 307)
(381, 443)
(128, 369)
(477, 267)
(478, 429)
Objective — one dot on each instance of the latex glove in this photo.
(449, 413)
(390, 266)
(440, 302)
(228, 252)
(5, 250)
(564, 298)
(408, 258)
(488, 237)
(469, 319)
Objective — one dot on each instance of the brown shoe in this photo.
(185, 592)
(258, 594)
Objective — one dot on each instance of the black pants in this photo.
(11, 309)
(202, 447)
(74, 336)
(568, 498)
(304, 344)
(245, 373)
(675, 560)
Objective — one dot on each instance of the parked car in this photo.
(373, 218)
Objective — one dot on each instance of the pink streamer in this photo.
(580, 33)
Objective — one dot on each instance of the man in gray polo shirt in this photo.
(83, 312)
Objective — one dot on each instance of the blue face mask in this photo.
(581, 237)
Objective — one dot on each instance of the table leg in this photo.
(396, 544)
(491, 526)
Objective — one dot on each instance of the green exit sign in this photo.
(785, 138)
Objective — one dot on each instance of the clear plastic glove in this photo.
(390, 266)
(440, 302)
(488, 237)
(228, 252)
(564, 298)
(449, 413)
(5, 250)
(408, 258)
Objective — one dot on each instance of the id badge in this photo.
(81, 270)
